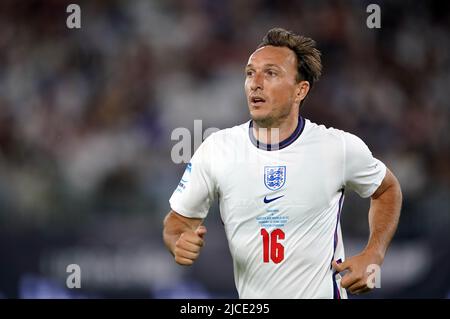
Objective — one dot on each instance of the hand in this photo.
(356, 279)
(187, 247)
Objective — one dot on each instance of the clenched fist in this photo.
(187, 247)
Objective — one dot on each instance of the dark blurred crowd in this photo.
(86, 117)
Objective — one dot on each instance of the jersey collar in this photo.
(273, 147)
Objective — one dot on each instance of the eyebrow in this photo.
(265, 65)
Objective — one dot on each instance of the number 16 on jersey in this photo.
(271, 247)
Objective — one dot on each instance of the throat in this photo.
(274, 133)
(274, 138)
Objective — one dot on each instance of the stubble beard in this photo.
(270, 120)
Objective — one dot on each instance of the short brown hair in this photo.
(309, 65)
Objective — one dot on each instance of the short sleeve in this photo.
(362, 172)
(196, 190)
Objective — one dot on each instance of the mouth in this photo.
(256, 101)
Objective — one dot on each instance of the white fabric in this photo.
(317, 166)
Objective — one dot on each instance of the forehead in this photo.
(282, 56)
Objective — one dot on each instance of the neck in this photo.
(274, 132)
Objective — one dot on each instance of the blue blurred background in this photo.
(86, 117)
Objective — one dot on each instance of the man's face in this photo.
(270, 84)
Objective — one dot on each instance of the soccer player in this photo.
(280, 180)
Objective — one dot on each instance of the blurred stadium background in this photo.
(86, 118)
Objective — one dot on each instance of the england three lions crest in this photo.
(274, 177)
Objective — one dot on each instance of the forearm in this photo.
(384, 216)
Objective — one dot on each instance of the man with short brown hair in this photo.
(280, 180)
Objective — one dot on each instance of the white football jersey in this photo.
(280, 205)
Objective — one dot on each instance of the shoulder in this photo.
(228, 135)
(351, 146)
(322, 132)
(223, 145)
(333, 138)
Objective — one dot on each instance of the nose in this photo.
(257, 82)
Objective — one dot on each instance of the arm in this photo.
(183, 237)
(384, 215)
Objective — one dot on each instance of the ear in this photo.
(301, 91)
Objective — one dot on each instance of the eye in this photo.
(271, 73)
(249, 72)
